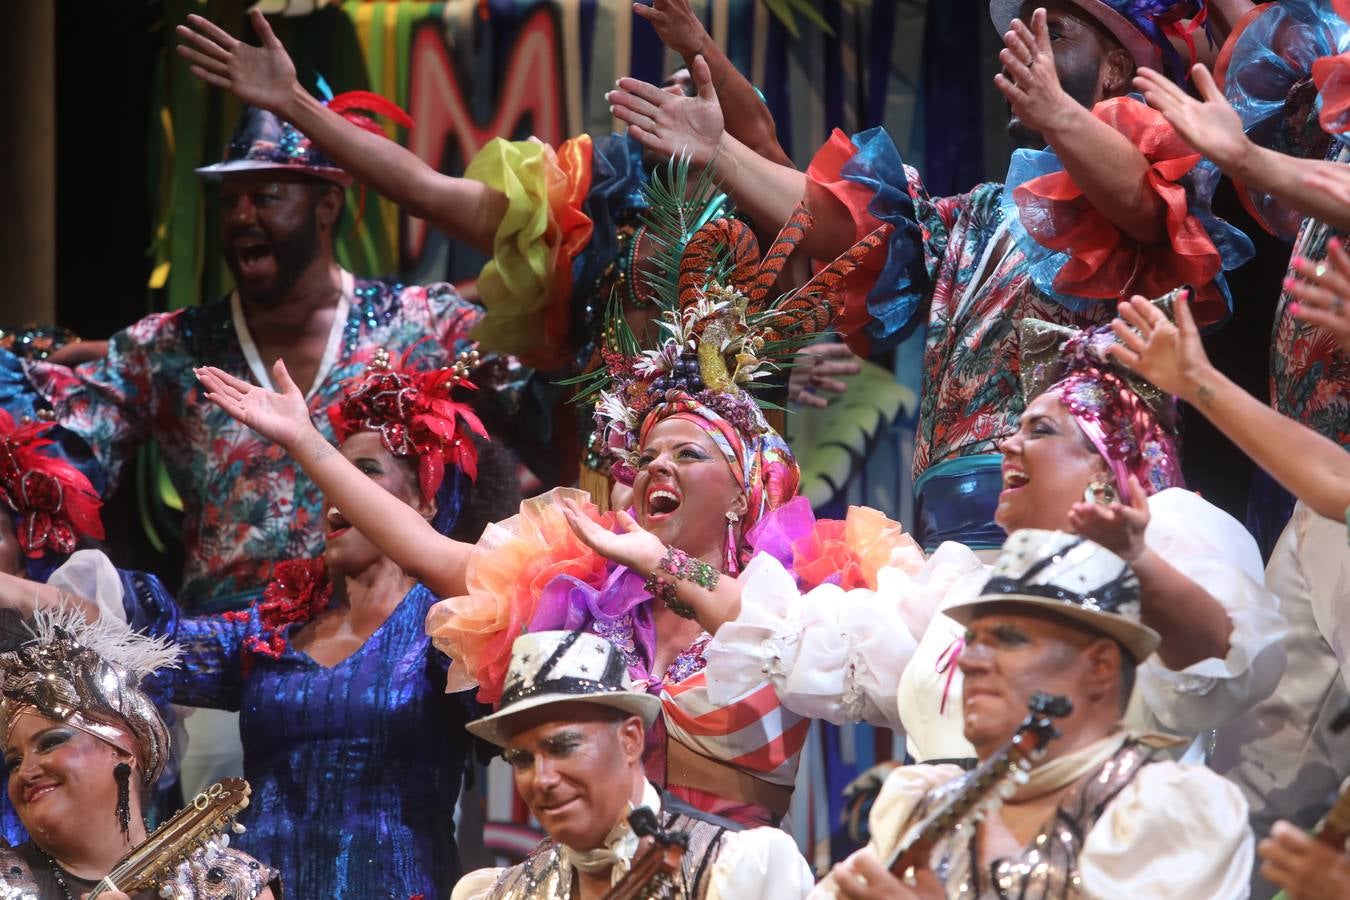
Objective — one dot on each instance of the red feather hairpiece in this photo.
(55, 501)
(415, 415)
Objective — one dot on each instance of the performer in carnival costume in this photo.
(706, 470)
(245, 506)
(47, 507)
(84, 746)
(1095, 453)
(1117, 205)
(1280, 127)
(572, 726)
(355, 752)
(562, 225)
(1285, 748)
(1284, 78)
(1103, 812)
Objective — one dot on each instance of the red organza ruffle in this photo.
(1103, 262)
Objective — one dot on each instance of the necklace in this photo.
(58, 873)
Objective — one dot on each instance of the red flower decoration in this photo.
(55, 502)
(415, 416)
(299, 590)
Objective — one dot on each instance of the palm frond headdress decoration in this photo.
(724, 328)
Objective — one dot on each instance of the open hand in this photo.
(636, 548)
(260, 76)
(1305, 867)
(1323, 292)
(671, 124)
(1119, 527)
(815, 370)
(1210, 125)
(282, 418)
(1169, 355)
(863, 877)
(1029, 80)
(676, 25)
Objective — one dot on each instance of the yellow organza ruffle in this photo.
(850, 552)
(513, 562)
(527, 284)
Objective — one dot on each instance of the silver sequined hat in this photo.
(564, 667)
(1069, 575)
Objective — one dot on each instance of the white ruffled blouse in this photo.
(888, 656)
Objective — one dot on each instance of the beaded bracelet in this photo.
(681, 565)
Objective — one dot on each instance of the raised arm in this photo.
(1313, 468)
(1314, 187)
(764, 190)
(1109, 169)
(264, 76)
(1193, 624)
(749, 120)
(26, 597)
(392, 525)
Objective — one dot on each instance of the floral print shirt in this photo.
(981, 289)
(246, 505)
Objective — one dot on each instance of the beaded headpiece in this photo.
(263, 141)
(1069, 575)
(88, 675)
(1131, 423)
(723, 331)
(415, 415)
(54, 502)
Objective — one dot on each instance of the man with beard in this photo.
(571, 725)
(1117, 204)
(246, 505)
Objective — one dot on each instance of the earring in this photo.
(1102, 493)
(122, 775)
(731, 557)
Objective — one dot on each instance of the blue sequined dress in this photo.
(355, 769)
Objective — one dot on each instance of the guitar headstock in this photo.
(1037, 730)
(210, 813)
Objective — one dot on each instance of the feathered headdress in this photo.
(723, 327)
(415, 415)
(88, 675)
(55, 503)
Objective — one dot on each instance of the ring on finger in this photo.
(1320, 270)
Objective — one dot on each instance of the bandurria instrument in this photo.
(985, 787)
(156, 858)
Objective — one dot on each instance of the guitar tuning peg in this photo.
(1007, 789)
(223, 840)
(166, 891)
(238, 828)
(1021, 776)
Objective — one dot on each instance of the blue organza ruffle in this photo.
(1268, 82)
(903, 281)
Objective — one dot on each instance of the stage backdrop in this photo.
(470, 70)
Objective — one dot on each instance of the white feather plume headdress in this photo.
(88, 675)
